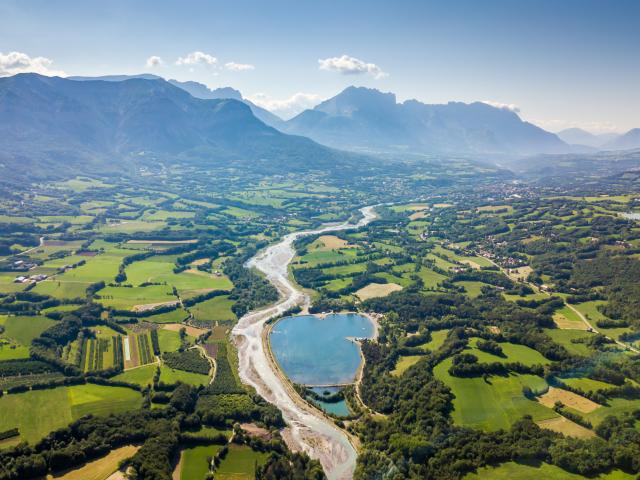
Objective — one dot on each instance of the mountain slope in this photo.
(578, 136)
(366, 119)
(627, 141)
(197, 90)
(200, 90)
(50, 125)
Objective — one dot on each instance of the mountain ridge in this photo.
(365, 119)
(52, 123)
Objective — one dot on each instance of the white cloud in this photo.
(347, 65)
(238, 67)
(503, 106)
(17, 62)
(197, 58)
(289, 107)
(154, 61)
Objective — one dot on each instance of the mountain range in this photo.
(51, 124)
(365, 119)
(198, 90)
(121, 122)
(578, 136)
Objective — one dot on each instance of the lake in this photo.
(337, 408)
(315, 351)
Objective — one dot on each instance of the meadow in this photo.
(494, 403)
(38, 412)
(512, 470)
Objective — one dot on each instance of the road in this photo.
(576, 311)
(26, 251)
(309, 429)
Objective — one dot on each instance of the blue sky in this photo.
(561, 63)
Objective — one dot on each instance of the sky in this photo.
(559, 63)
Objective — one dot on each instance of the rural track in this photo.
(577, 312)
(309, 429)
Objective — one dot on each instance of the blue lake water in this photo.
(337, 408)
(315, 351)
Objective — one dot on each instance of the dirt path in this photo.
(26, 251)
(212, 362)
(308, 428)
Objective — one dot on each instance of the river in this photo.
(308, 430)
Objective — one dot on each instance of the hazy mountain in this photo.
(200, 90)
(115, 78)
(52, 125)
(557, 168)
(578, 136)
(367, 119)
(627, 141)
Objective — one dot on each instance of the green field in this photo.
(36, 413)
(169, 340)
(59, 288)
(513, 353)
(126, 298)
(171, 375)
(214, 309)
(430, 278)
(473, 289)
(564, 337)
(518, 471)
(240, 463)
(23, 329)
(404, 362)
(194, 461)
(153, 215)
(160, 270)
(437, 340)
(494, 404)
(140, 376)
(131, 226)
(10, 350)
(586, 384)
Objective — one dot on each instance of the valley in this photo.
(187, 292)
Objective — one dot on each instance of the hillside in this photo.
(627, 141)
(54, 126)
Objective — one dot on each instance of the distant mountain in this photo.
(627, 141)
(557, 168)
(368, 120)
(198, 90)
(51, 125)
(578, 136)
(115, 78)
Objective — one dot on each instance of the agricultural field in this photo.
(512, 470)
(377, 290)
(100, 469)
(217, 309)
(38, 412)
(188, 283)
(495, 404)
(240, 463)
(193, 461)
(137, 298)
